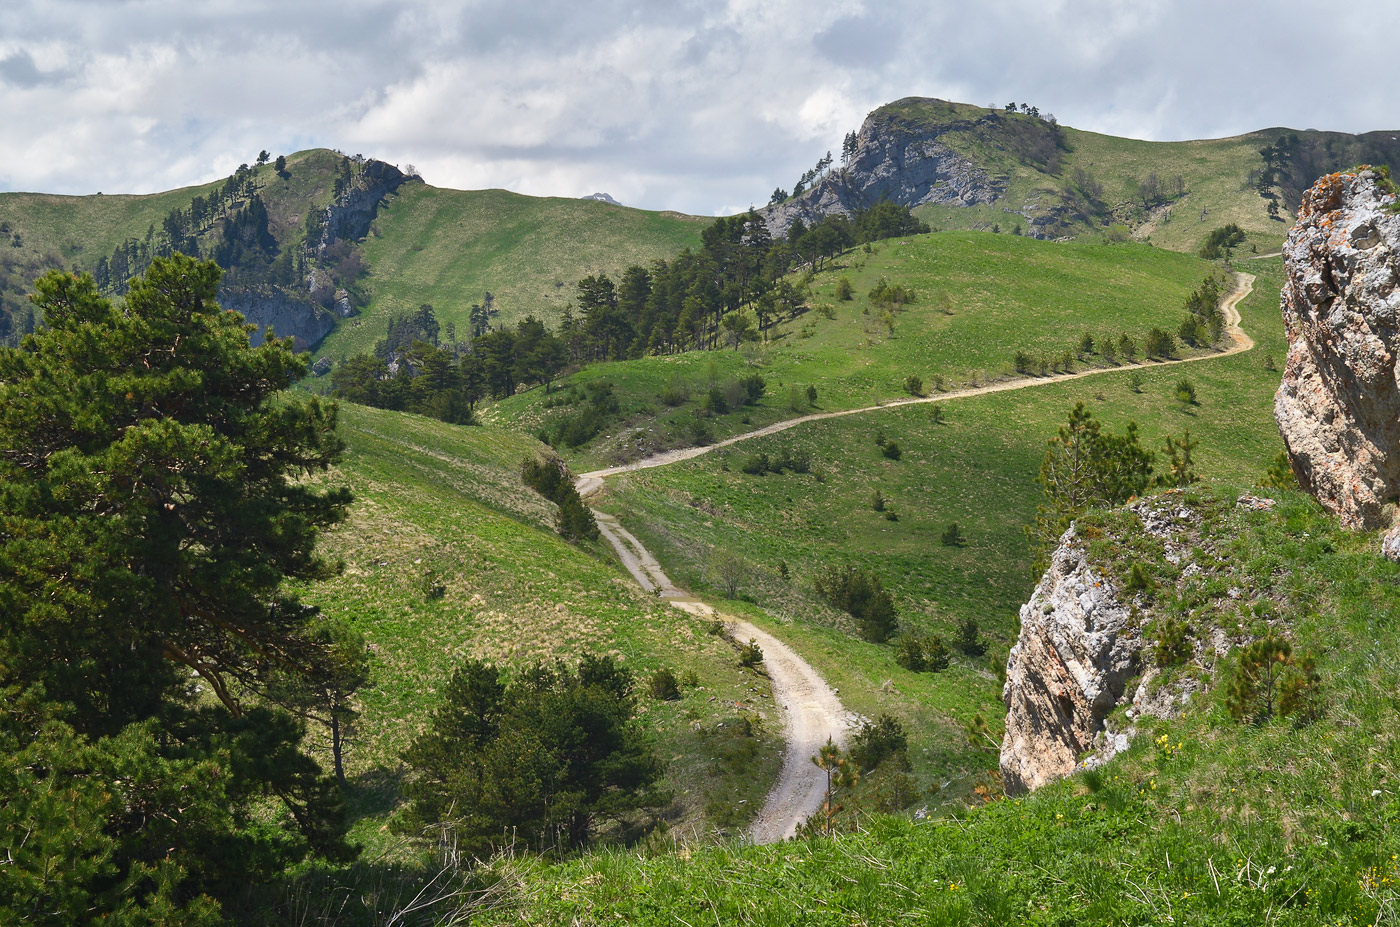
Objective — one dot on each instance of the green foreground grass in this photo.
(438, 505)
(1203, 821)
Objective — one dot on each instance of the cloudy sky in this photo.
(697, 106)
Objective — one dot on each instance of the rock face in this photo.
(284, 311)
(1339, 403)
(892, 162)
(1068, 670)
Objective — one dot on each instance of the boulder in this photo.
(1338, 406)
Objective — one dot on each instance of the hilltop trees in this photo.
(152, 503)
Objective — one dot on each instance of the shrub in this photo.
(714, 403)
(1173, 645)
(750, 655)
(690, 680)
(1022, 362)
(970, 638)
(1159, 344)
(812, 394)
(551, 479)
(1127, 347)
(844, 292)
(877, 501)
(952, 536)
(860, 594)
(1280, 474)
(1269, 678)
(909, 652)
(755, 465)
(1135, 381)
(675, 394)
(914, 385)
(699, 432)
(878, 741)
(1185, 392)
(891, 450)
(663, 686)
(754, 386)
(1086, 344)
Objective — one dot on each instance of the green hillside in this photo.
(448, 555)
(979, 299)
(1082, 182)
(451, 247)
(1206, 820)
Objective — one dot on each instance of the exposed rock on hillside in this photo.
(1339, 403)
(896, 161)
(1067, 671)
(1087, 645)
(285, 312)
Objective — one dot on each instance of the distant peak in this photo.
(602, 198)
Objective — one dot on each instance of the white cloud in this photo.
(689, 105)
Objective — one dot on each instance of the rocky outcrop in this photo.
(901, 163)
(1069, 668)
(349, 216)
(1338, 406)
(284, 312)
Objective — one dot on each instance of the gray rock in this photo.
(1067, 671)
(1338, 406)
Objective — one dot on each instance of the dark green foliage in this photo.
(952, 536)
(914, 385)
(969, 639)
(1022, 362)
(877, 501)
(551, 479)
(1269, 678)
(844, 291)
(1181, 469)
(1219, 242)
(1185, 392)
(755, 465)
(714, 403)
(1138, 579)
(541, 762)
(787, 459)
(885, 294)
(891, 450)
(877, 741)
(750, 654)
(1173, 642)
(152, 502)
(1280, 474)
(1085, 467)
(754, 386)
(663, 686)
(599, 408)
(812, 395)
(860, 594)
(1159, 344)
(919, 652)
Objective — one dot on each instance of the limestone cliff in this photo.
(285, 312)
(1338, 406)
(1087, 644)
(895, 160)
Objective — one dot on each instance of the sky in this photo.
(700, 107)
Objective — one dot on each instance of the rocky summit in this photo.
(1339, 403)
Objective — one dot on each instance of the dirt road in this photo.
(811, 710)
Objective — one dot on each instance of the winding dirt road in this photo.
(810, 709)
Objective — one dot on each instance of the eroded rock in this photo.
(1067, 671)
(1338, 406)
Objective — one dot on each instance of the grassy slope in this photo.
(433, 498)
(977, 468)
(1002, 294)
(1215, 172)
(1203, 821)
(449, 247)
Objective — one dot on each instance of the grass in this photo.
(437, 504)
(1203, 821)
(450, 247)
(976, 468)
(979, 298)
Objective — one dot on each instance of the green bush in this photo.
(750, 654)
(891, 450)
(878, 741)
(952, 536)
(860, 594)
(914, 385)
(844, 291)
(1173, 644)
(970, 638)
(663, 686)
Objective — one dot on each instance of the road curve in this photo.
(1239, 341)
(810, 710)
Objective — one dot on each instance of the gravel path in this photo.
(810, 709)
